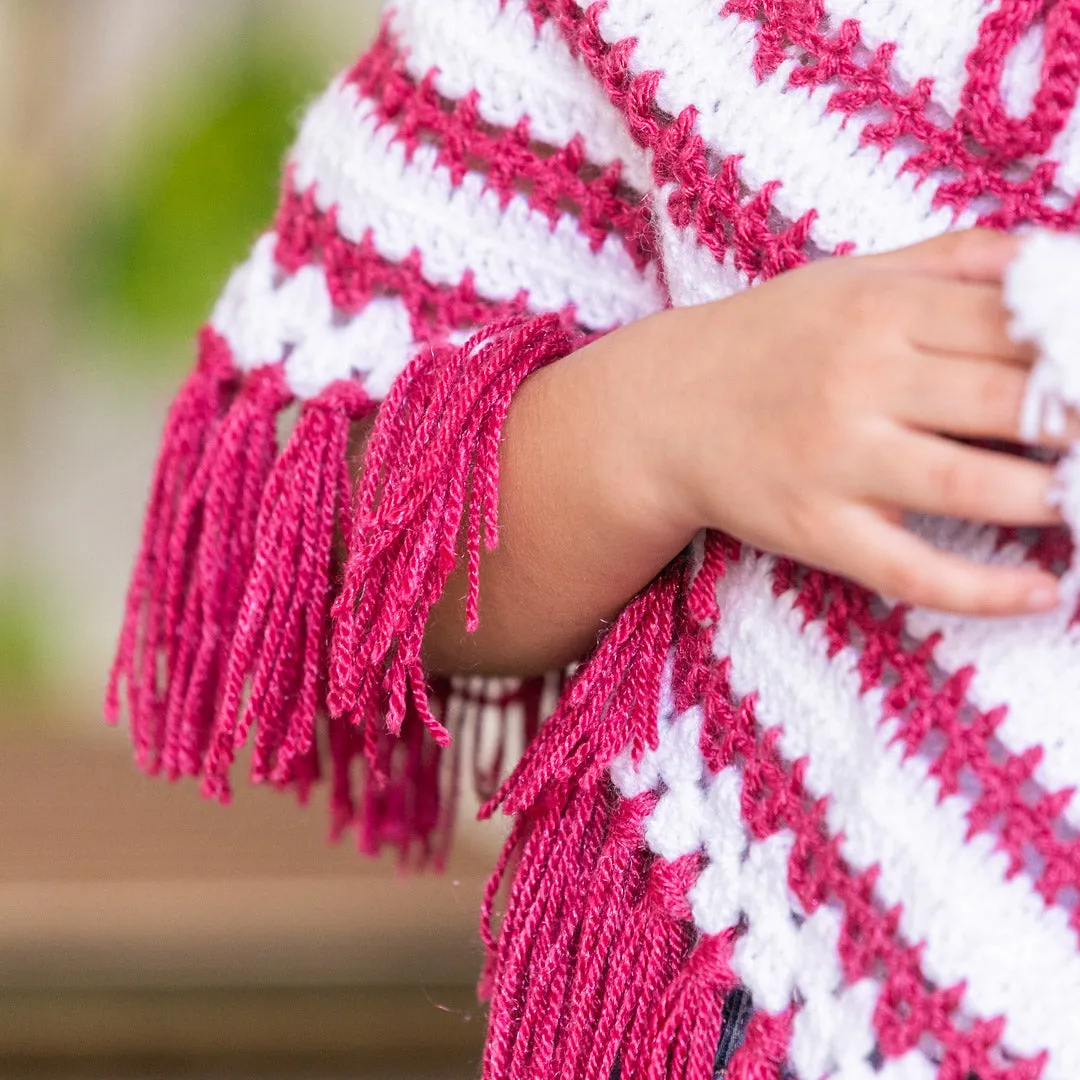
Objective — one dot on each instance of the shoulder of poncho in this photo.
(467, 169)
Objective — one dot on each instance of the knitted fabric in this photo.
(776, 825)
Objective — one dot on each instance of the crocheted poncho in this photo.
(776, 826)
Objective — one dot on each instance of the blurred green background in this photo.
(143, 932)
(140, 145)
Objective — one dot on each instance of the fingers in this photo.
(892, 561)
(967, 396)
(933, 475)
(963, 318)
(966, 255)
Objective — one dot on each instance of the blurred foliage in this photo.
(22, 641)
(198, 194)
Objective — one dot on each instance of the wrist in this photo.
(642, 441)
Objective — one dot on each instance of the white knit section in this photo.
(1017, 956)
(358, 167)
(1022, 75)
(247, 312)
(783, 955)
(932, 39)
(781, 133)
(1040, 291)
(266, 316)
(377, 342)
(692, 272)
(1031, 663)
(494, 48)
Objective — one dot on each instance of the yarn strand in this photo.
(431, 466)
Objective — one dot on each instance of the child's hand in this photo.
(808, 414)
(804, 416)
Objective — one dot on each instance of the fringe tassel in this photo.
(228, 620)
(533, 967)
(408, 790)
(431, 466)
(211, 552)
(612, 703)
(283, 620)
(524, 701)
(596, 930)
(593, 947)
(685, 1030)
(146, 643)
(408, 798)
(595, 971)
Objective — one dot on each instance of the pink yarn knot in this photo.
(983, 111)
(669, 883)
(268, 389)
(628, 821)
(764, 1051)
(711, 960)
(345, 396)
(215, 357)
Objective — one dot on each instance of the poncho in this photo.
(775, 826)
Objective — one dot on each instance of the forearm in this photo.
(585, 520)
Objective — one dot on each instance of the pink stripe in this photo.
(933, 715)
(909, 1008)
(554, 183)
(980, 150)
(1050, 548)
(356, 273)
(725, 212)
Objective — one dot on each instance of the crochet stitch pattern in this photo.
(774, 825)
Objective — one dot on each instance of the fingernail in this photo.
(1044, 598)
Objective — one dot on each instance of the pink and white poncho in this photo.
(775, 826)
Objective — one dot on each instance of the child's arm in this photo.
(804, 416)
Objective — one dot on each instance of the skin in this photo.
(804, 416)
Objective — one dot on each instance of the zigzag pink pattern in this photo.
(724, 212)
(931, 709)
(909, 1007)
(555, 180)
(356, 273)
(980, 152)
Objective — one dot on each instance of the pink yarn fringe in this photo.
(228, 620)
(211, 552)
(409, 792)
(594, 970)
(685, 1028)
(278, 648)
(431, 467)
(148, 645)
